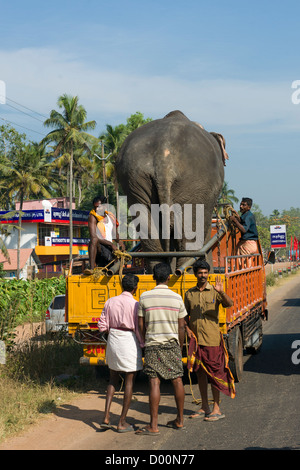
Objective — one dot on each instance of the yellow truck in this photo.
(243, 277)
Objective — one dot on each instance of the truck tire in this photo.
(235, 352)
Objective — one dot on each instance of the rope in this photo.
(124, 257)
(98, 272)
(226, 210)
(195, 400)
(101, 271)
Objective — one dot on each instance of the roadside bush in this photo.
(41, 359)
(37, 378)
(25, 301)
(270, 280)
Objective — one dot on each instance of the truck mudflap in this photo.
(93, 344)
(93, 356)
(96, 357)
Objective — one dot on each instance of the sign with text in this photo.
(52, 215)
(278, 236)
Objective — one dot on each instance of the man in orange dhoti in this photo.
(246, 224)
(207, 355)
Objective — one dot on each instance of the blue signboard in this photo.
(57, 215)
(278, 236)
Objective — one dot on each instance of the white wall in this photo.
(28, 237)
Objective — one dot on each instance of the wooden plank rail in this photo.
(246, 285)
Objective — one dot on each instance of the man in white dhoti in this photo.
(123, 351)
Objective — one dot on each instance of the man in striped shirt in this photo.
(161, 321)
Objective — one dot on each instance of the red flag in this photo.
(291, 248)
(295, 244)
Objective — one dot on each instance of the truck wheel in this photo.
(235, 352)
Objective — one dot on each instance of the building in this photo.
(46, 230)
(28, 264)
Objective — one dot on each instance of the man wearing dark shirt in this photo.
(246, 224)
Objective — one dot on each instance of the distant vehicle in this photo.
(55, 315)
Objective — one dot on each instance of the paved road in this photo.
(264, 415)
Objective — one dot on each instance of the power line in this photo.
(27, 114)
(21, 111)
(15, 124)
(19, 104)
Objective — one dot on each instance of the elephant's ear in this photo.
(221, 141)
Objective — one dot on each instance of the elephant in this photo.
(173, 161)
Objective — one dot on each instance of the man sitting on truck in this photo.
(103, 234)
(207, 353)
(246, 224)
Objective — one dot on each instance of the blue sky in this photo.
(228, 65)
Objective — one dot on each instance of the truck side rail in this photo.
(245, 285)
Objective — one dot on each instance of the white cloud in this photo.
(36, 77)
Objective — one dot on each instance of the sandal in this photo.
(173, 424)
(128, 429)
(105, 426)
(146, 432)
(214, 417)
(198, 414)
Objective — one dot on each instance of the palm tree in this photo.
(83, 172)
(26, 176)
(70, 133)
(227, 195)
(275, 214)
(113, 139)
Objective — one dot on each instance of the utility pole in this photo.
(104, 172)
(71, 207)
(103, 159)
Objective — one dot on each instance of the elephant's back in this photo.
(173, 136)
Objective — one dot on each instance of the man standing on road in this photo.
(161, 321)
(123, 352)
(207, 355)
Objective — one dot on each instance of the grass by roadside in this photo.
(38, 377)
(273, 280)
